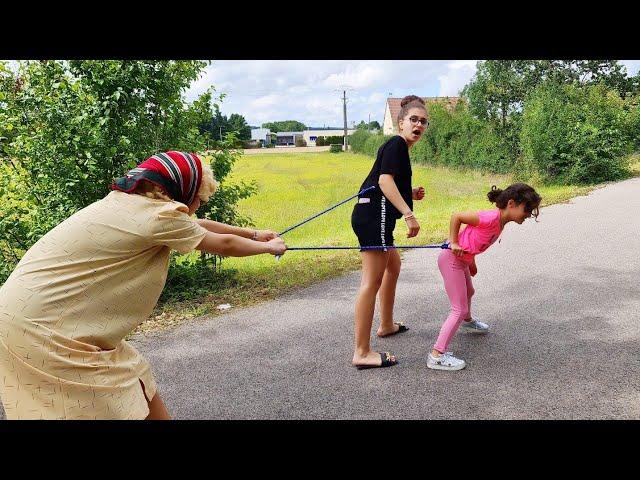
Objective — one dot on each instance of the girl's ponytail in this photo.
(519, 193)
(494, 194)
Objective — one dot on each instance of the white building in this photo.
(287, 138)
(262, 135)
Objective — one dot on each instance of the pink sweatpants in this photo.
(457, 283)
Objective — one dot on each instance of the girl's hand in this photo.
(414, 227)
(473, 269)
(457, 250)
(417, 193)
(277, 246)
(265, 235)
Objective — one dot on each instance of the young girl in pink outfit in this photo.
(457, 264)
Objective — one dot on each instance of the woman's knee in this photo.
(393, 269)
(394, 263)
(371, 285)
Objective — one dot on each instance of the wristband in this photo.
(255, 235)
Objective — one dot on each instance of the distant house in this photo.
(311, 135)
(261, 135)
(392, 109)
(287, 138)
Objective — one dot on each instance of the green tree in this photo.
(498, 91)
(285, 126)
(499, 87)
(217, 126)
(68, 128)
(576, 135)
(238, 124)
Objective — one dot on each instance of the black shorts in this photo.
(373, 223)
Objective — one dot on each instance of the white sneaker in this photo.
(446, 361)
(475, 326)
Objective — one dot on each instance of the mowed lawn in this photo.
(293, 187)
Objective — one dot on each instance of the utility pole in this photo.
(344, 109)
(369, 124)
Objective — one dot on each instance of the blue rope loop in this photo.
(444, 246)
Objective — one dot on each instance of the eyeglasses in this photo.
(415, 120)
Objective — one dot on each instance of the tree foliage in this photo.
(68, 128)
(576, 135)
(218, 126)
(285, 126)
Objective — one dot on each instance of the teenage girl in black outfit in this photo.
(373, 221)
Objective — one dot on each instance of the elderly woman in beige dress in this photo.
(67, 307)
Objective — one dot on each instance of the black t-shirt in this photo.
(392, 158)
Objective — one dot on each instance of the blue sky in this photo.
(310, 91)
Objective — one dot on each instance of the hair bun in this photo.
(410, 98)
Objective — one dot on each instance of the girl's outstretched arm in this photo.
(218, 227)
(457, 219)
(229, 245)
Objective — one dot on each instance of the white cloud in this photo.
(633, 66)
(266, 101)
(458, 74)
(358, 76)
(311, 90)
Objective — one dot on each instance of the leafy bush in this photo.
(367, 143)
(456, 138)
(301, 142)
(357, 140)
(335, 148)
(320, 142)
(249, 144)
(373, 144)
(576, 135)
(334, 139)
(633, 120)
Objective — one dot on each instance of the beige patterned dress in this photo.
(67, 307)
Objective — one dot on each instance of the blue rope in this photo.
(444, 246)
(325, 211)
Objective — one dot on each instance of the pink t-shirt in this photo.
(476, 239)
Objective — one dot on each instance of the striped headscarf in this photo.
(179, 174)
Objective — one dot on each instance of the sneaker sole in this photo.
(443, 367)
(473, 330)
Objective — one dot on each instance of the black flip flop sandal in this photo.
(386, 362)
(401, 328)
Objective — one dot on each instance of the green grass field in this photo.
(295, 186)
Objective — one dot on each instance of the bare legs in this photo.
(380, 272)
(387, 294)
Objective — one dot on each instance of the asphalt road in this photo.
(561, 297)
